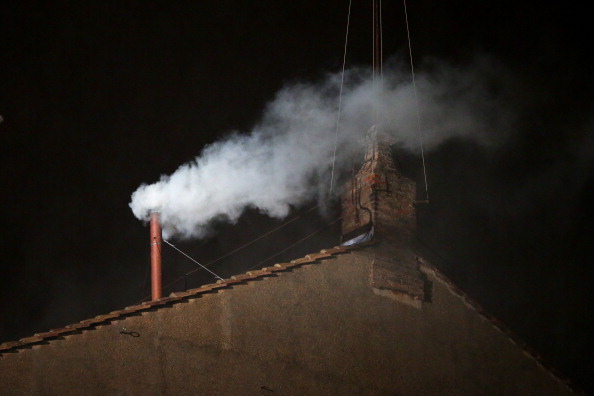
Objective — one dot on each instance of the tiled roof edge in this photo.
(499, 326)
(173, 298)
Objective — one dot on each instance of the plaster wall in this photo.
(318, 329)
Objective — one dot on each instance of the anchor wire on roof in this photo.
(296, 243)
(236, 249)
(412, 68)
(258, 238)
(201, 266)
(346, 41)
(171, 283)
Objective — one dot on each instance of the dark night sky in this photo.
(99, 97)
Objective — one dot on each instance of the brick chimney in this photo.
(379, 200)
(378, 205)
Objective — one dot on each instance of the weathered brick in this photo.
(379, 194)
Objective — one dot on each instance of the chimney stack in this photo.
(156, 242)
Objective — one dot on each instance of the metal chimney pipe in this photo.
(156, 242)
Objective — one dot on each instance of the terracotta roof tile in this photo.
(118, 312)
(80, 326)
(64, 331)
(181, 295)
(31, 340)
(151, 304)
(318, 256)
(134, 308)
(243, 277)
(282, 266)
(49, 334)
(107, 317)
(9, 346)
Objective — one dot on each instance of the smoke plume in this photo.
(286, 159)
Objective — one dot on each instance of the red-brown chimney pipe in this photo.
(156, 242)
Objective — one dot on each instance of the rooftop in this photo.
(44, 338)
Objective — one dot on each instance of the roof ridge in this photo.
(500, 326)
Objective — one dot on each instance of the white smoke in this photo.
(286, 159)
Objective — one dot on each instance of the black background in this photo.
(99, 97)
